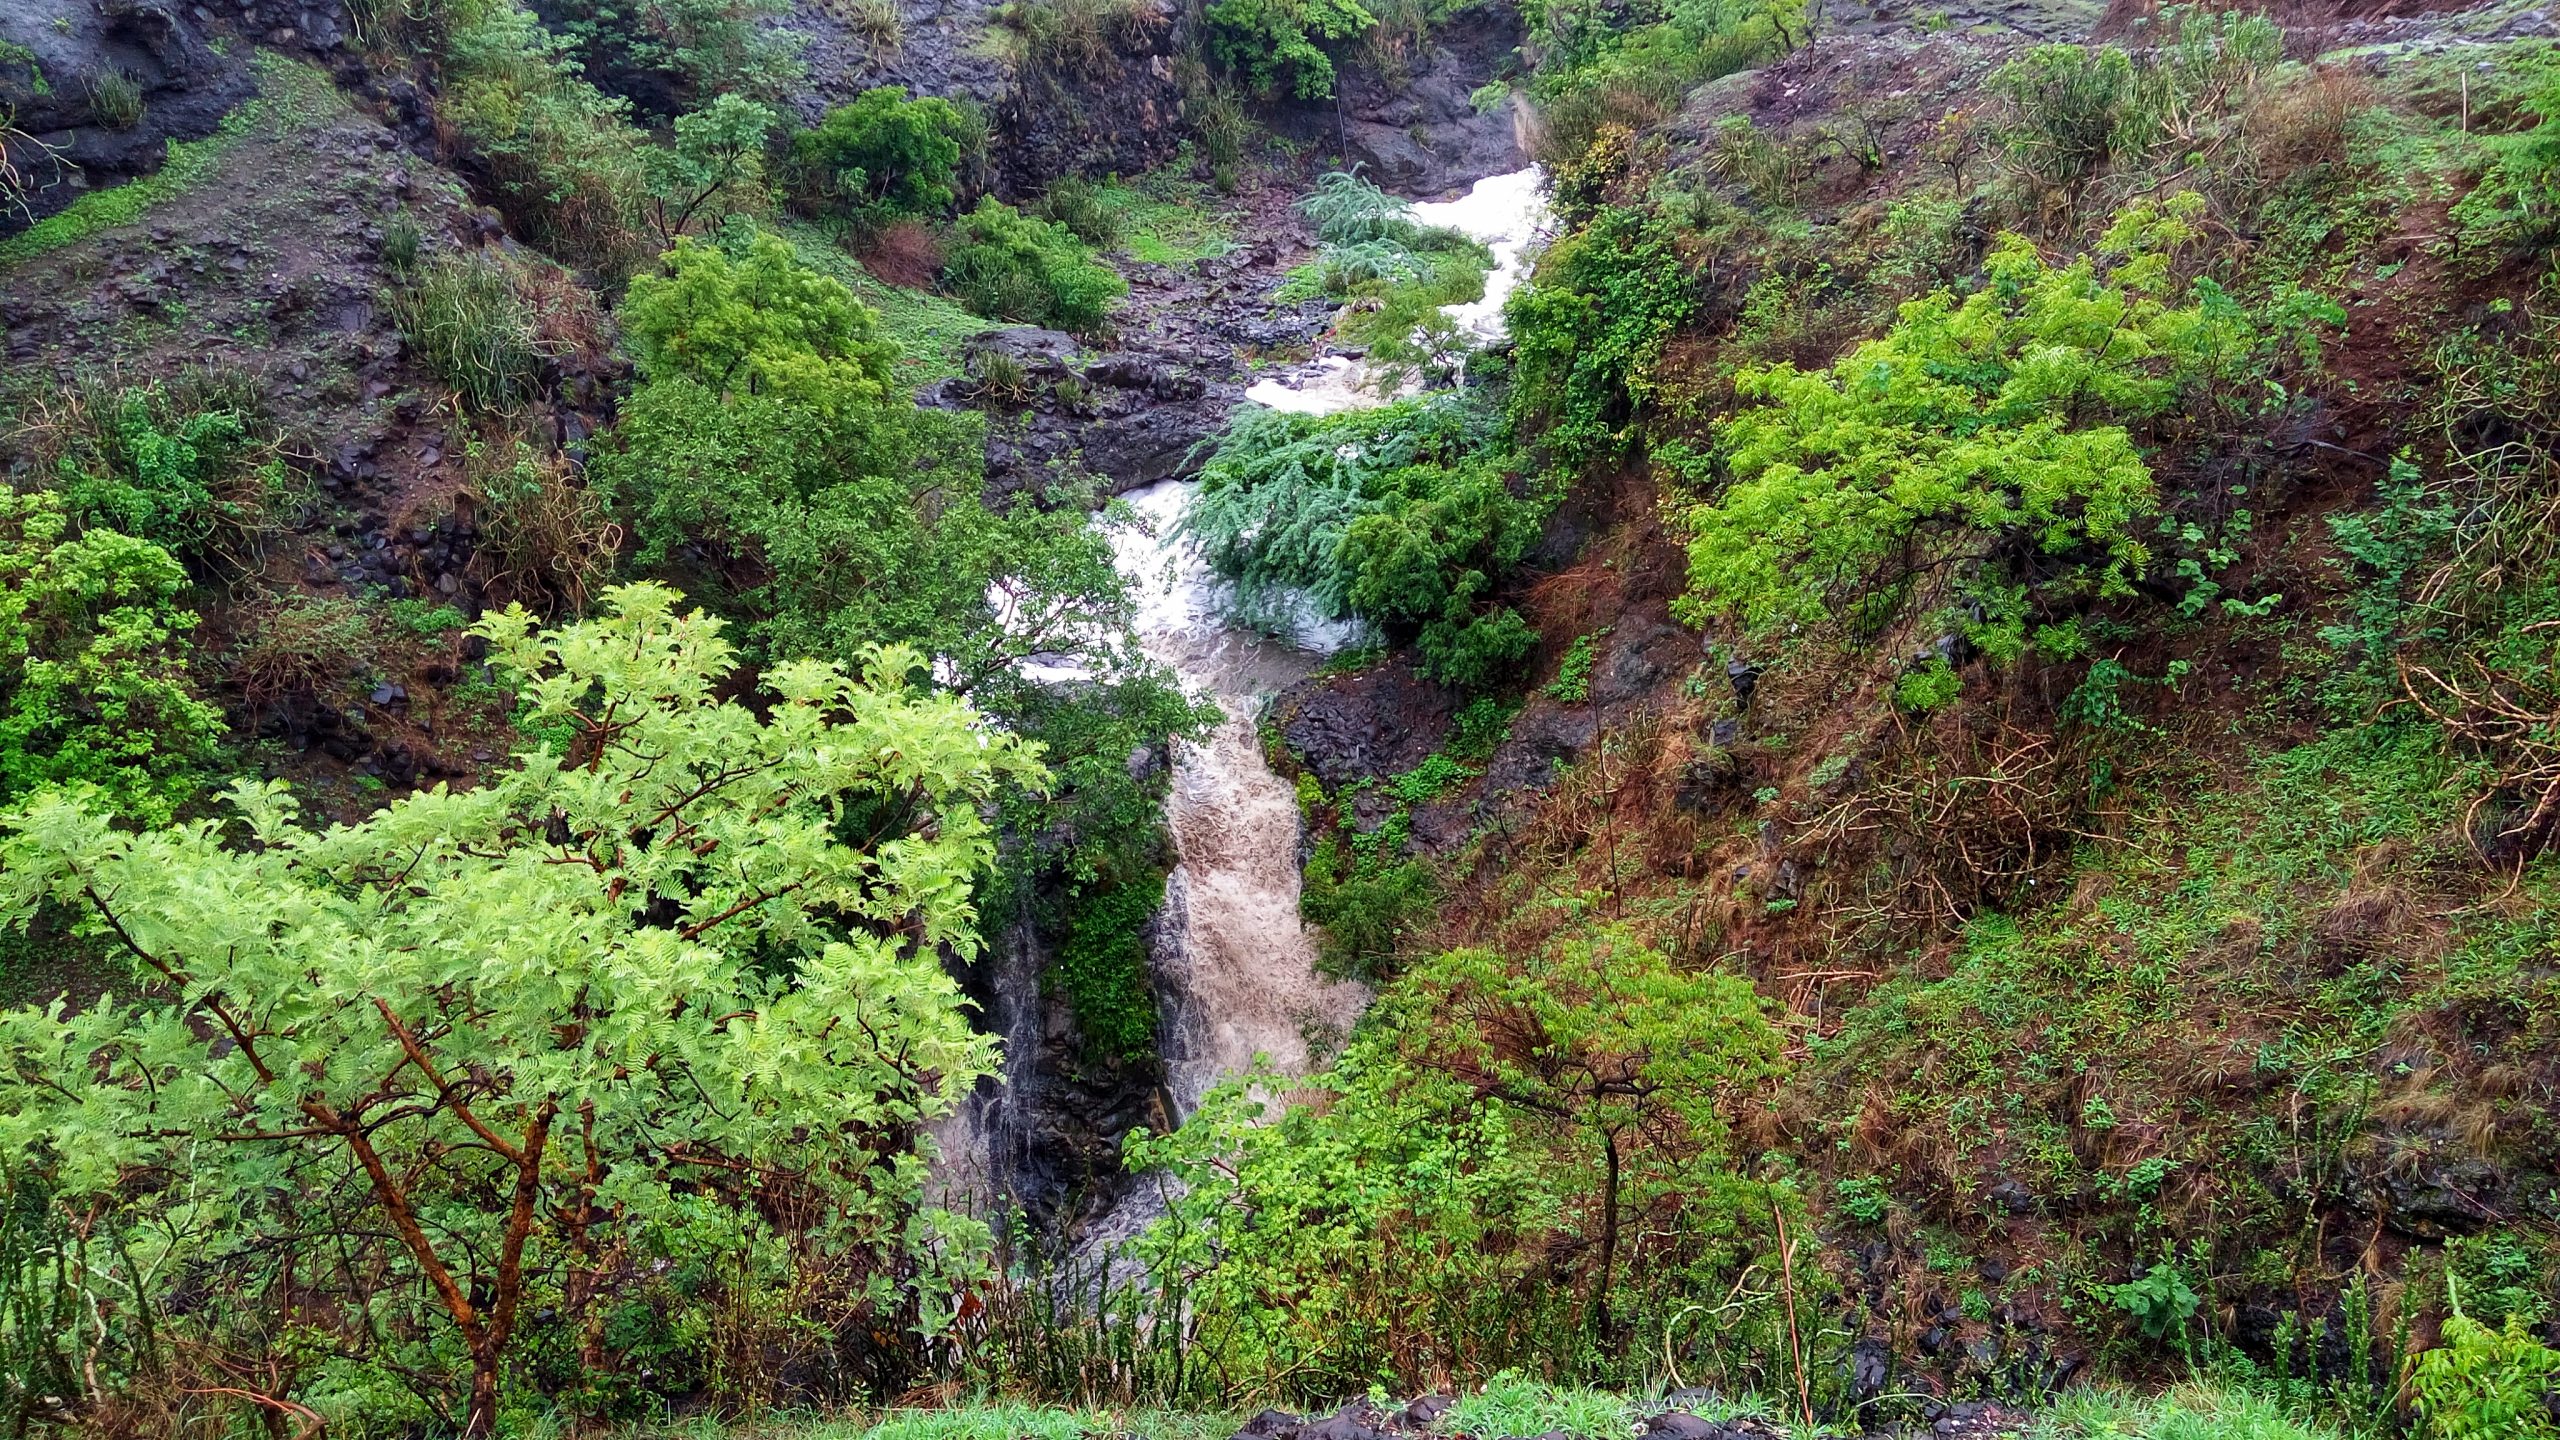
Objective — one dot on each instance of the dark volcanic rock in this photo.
(1370, 725)
(1417, 131)
(186, 87)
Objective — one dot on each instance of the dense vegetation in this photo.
(1975, 743)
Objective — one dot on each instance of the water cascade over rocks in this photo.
(1235, 969)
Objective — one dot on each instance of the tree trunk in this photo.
(1602, 1325)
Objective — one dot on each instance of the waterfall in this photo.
(1235, 969)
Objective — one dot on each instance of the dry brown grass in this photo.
(904, 253)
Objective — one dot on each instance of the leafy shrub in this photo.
(93, 664)
(486, 989)
(1572, 684)
(885, 156)
(1006, 265)
(1404, 515)
(2483, 1382)
(465, 319)
(1076, 203)
(1278, 45)
(1462, 1198)
(743, 315)
(1586, 333)
(1362, 908)
(1951, 465)
(181, 465)
(1102, 970)
(2159, 1301)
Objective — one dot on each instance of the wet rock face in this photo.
(1141, 408)
(1044, 1133)
(1117, 110)
(1413, 127)
(1366, 726)
(74, 139)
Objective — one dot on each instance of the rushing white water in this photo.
(1504, 213)
(1235, 966)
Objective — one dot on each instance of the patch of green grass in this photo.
(1164, 219)
(2198, 1411)
(290, 95)
(930, 329)
(1015, 1421)
(1511, 1406)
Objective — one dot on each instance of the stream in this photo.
(1235, 969)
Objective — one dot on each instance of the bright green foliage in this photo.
(702, 48)
(1279, 44)
(1102, 970)
(437, 1065)
(93, 664)
(885, 156)
(769, 446)
(2194, 1411)
(1010, 266)
(563, 156)
(1967, 458)
(2160, 1302)
(184, 480)
(773, 466)
(713, 168)
(1511, 1406)
(1404, 515)
(1586, 333)
(1572, 684)
(744, 317)
(2483, 1382)
(1467, 1196)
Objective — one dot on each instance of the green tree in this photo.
(886, 156)
(744, 315)
(811, 499)
(479, 1044)
(93, 664)
(1502, 1144)
(1279, 44)
(1609, 1050)
(714, 167)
